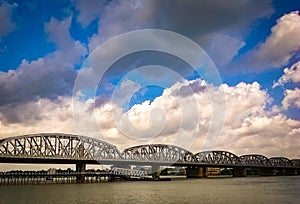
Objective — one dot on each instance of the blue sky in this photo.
(43, 45)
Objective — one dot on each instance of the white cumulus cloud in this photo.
(280, 46)
(249, 125)
(291, 98)
(291, 74)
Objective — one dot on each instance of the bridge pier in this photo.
(196, 172)
(239, 172)
(155, 171)
(80, 170)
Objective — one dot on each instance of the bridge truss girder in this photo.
(158, 153)
(254, 160)
(67, 148)
(58, 146)
(217, 157)
(281, 162)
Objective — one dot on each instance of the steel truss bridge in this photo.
(57, 148)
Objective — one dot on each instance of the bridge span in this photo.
(58, 148)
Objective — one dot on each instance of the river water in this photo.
(284, 189)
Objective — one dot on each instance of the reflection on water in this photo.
(283, 189)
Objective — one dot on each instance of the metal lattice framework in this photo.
(158, 153)
(217, 157)
(128, 172)
(281, 161)
(67, 148)
(254, 160)
(296, 162)
(57, 146)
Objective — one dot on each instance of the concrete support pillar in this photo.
(239, 172)
(80, 170)
(196, 172)
(266, 172)
(155, 171)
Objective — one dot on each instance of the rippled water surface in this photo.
(211, 190)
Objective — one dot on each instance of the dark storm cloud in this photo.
(43, 78)
(194, 18)
(47, 77)
(201, 20)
